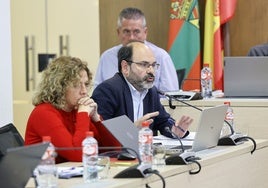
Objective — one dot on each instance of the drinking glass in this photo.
(103, 166)
(159, 153)
(46, 176)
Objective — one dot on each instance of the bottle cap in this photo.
(89, 133)
(145, 124)
(228, 103)
(46, 138)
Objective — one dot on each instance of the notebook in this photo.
(16, 167)
(207, 133)
(245, 76)
(124, 130)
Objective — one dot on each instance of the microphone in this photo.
(186, 157)
(170, 97)
(136, 171)
(181, 158)
(232, 139)
(167, 129)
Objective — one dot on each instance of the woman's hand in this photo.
(181, 126)
(86, 104)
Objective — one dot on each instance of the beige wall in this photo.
(6, 108)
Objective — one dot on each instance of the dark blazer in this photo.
(259, 50)
(114, 99)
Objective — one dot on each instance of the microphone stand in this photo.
(232, 139)
(181, 157)
(185, 157)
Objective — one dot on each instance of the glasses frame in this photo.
(146, 65)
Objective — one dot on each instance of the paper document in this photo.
(187, 141)
(68, 172)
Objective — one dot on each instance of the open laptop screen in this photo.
(245, 76)
(124, 130)
(16, 167)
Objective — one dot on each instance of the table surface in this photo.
(209, 158)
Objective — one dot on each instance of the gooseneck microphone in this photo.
(232, 139)
(167, 129)
(177, 99)
(185, 157)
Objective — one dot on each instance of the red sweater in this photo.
(67, 129)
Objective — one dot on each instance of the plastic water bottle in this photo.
(90, 158)
(229, 117)
(46, 171)
(146, 144)
(206, 82)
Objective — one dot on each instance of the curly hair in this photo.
(57, 77)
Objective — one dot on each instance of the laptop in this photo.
(17, 165)
(207, 134)
(124, 130)
(245, 76)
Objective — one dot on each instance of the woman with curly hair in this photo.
(64, 111)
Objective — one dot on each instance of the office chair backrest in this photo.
(9, 138)
(180, 75)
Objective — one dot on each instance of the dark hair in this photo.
(124, 53)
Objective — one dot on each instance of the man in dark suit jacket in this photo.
(131, 92)
(259, 50)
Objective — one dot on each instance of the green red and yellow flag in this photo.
(184, 40)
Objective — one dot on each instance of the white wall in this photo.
(6, 106)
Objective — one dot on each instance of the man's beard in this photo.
(141, 84)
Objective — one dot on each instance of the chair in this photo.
(9, 138)
(180, 75)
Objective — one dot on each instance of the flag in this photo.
(184, 41)
(217, 12)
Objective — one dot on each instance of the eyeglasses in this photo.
(80, 85)
(128, 33)
(146, 65)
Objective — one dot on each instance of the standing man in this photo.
(131, 25)
(131, 92)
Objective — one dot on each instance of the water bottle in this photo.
(146, 144)
(229, 114)
(206, 82)
(46, 171)
(229, 117)
(90, 158)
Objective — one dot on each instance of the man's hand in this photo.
(146, 117)
(181, 126)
